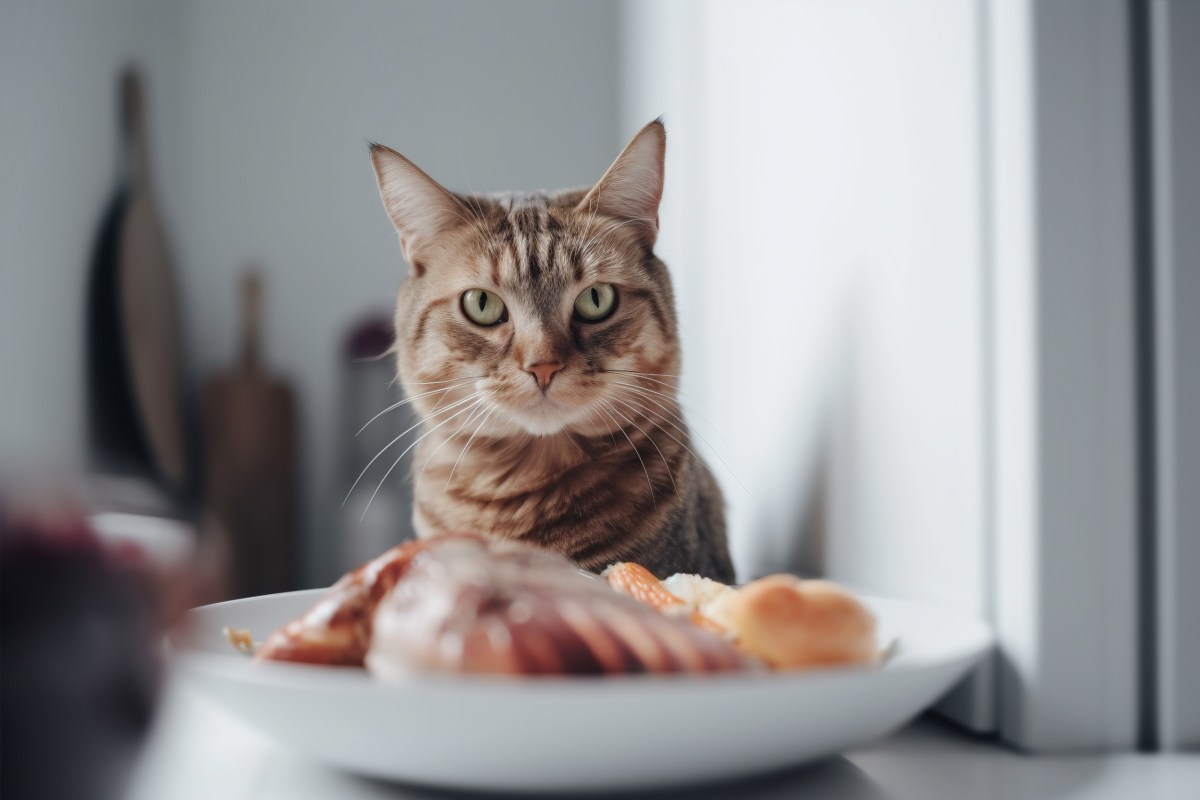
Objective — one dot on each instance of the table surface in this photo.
(199, 750)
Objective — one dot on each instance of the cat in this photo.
(536, 335)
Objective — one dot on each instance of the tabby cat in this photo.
(536, 335)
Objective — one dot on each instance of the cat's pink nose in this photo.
(543, 373)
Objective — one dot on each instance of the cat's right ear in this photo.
(420, 208)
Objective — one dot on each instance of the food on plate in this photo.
(468, 606)
(461, 604)
(786, 622)
(240, 639)
(640, 584)
(695, 590)
(337, 630)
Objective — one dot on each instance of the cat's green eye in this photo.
(483, 307)
(596, 302)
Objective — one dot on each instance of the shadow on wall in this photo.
(796, 533)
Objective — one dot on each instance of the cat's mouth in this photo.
(544, 415)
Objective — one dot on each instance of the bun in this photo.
(791, 623)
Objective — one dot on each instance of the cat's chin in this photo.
(544, 419)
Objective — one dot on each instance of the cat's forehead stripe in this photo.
(534, 264)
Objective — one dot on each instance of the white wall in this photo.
(823, 219)
(903, 236)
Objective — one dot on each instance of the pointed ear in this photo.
(419, 206)
(632, 187)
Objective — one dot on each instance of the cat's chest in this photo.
(510, 494)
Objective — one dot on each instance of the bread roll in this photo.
(791, 623)
(781, 620)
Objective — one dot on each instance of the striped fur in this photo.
(599, 466)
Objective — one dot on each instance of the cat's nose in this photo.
(543, 373)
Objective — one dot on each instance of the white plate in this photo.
(586, 733)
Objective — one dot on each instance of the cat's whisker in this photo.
(455, 204)
(646, 411)
(571, 438)
(653, 444)
(443, 397)
(586, 249)
(644, 390)
(684, 431)
(478, 223)
(479, 427)
(420, 438)
(640, 410)
(380, 357)
(590, 264)
(649, 483)
(457, 431)
(583, 250)
(675, 396)
(402, 434)
(449, 380)
(592, 411)
(408, 400)
(635, 372)
(680, 398)
(673, 386)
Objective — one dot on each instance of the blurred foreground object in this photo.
(83, 608)
(133, 341)
(250, 461)
(367, 526)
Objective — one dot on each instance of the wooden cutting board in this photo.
(250, 462)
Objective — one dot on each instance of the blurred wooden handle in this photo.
(251, 321)
(250, 459)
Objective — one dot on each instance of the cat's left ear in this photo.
(632, 187)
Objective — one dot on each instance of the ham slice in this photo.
(459, 603)
(337, 630)
(465, 605)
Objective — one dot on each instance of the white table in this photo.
(199, 750)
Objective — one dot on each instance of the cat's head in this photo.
(539, 305)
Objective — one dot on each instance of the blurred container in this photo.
(83, 606)
(376, 515)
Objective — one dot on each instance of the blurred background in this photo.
(932, 260)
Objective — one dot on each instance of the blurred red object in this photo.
(82, 616)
